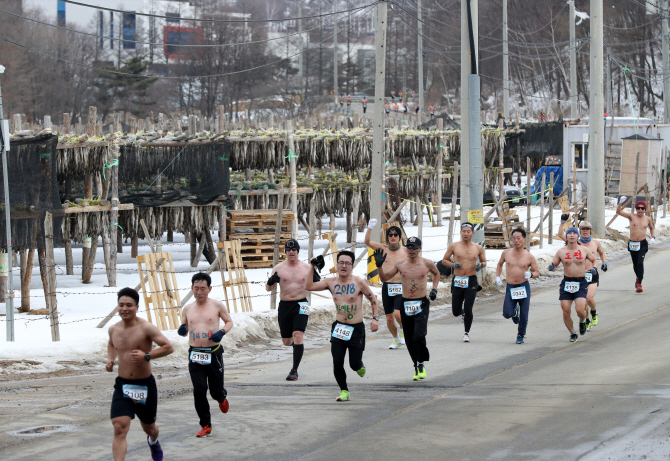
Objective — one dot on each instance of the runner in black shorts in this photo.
(293, 312)
(135, 390)
(637, 245)
(574, 285)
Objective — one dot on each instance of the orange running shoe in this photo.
(205, 431)
(224, 406)
(639, 288)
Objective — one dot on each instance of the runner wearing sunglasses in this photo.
(637, 245)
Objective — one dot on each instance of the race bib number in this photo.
(137, 394)
(343, 332)
(571, 287)
(634, 246)
(304, 308)
(461, 281)
(394, 289)
(201, 358)
(518, 293)
(589, 276)
(412, 307)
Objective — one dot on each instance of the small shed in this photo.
(648, 149)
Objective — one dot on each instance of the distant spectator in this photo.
(387, 106)
(365, 103)
(341, 100)
(431, 108)
(404, 107)
(395, 107)
(392, 95)
(348, 101)
(416, 109)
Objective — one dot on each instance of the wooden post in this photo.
(354, 219)
(210, 243)
(91, 259)
(637, 172)
(92, 118)
(119, 240)
(194, 248)
(222, 231)
(133, 246)
(26, 276)
(454, 199)
(438, 168)
(544, 175)
(17, 123)
(51, 277)
(69, 263)
(528, 197)
(419, 216)
(277, 242)
(221, 111)
(551, 208)
(66, 123)
(88, 186)
(85, 252)
(114, 218)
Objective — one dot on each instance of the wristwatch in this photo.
(375, 317)
(147, 356)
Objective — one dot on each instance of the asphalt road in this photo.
(604, 397)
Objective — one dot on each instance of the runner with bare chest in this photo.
(637, 245)
(392, 288)
(200, 321)
(414, 305)
(468, 260)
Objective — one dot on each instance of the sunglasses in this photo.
(640, 208)
(394, 235)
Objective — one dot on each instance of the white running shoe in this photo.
(466, 338)
(402, 337)
(395, 344)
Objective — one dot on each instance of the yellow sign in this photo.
(476, 216)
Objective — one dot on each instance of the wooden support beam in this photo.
(51, 277)
(277, 243)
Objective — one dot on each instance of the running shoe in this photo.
(637, 282)
(515, 317)
(402, 337)
(361, 372)
(519, 339)
(582, 328)
(574, 337)
(156, 450)
(344, 396)
(205, 431)
(224, 406)
(422, 371)
(639, 288)
(395, 345)
(594, 318)
(588, 324)
(292, 376)
(416, 374)
(466, 338)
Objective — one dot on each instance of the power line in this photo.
(173, 78)
(151, 15)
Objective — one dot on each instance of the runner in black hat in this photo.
(293, 312)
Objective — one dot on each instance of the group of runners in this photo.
(405, 300)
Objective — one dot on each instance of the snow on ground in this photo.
(81, 307)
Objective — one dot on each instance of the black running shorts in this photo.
(125, 405)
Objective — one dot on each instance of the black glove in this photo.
(218, 336)
(318, 262)
(274, 279)
(594, 271)
(604, 267)
(316, 277)
(552, 267)
(433, 294)
(182, 331)
(564, 217)
(456, 265)
(478, 266)
(379, 256)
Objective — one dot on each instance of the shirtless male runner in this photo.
(200, 321)
(468, 260)
(392, 288)
(135, 391)
(413, 304)
(517, 293)
(592, 276)
(348, 329)
(637, 245)
(293, 312)
(574, 285)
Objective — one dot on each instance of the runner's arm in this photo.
(367, 292)
(446, 259)
(601, 253)
(164, 347)
(556, 260)
(225, 316)
(436, 273)
(499, 268)
(561, 231)
(651, 228)
(482, 256)
(370, 243)
(534, 267)
(321, 285)
(619, 211)
(111, 354)
(389, 274)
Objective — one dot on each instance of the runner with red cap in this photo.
(637, 245)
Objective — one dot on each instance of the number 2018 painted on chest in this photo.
(345, 289)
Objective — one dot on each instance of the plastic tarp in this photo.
(558, 178)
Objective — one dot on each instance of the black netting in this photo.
(538, 141)
(33, 190)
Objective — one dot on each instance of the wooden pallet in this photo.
(332, 243)
(162, 293)
(237, 278)
(255, 229)
(498, 234)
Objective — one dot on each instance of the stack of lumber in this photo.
(256, 231)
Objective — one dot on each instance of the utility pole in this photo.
(596, 160)
(472, 198)
(377, 167)
(9, 296)
(420, 57)
(608, 87)
(335, 84)
(666, 62)
(505, 65)
(574, 108)
(404, 53)
(301, 85)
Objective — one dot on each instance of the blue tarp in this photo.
(558, 178)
